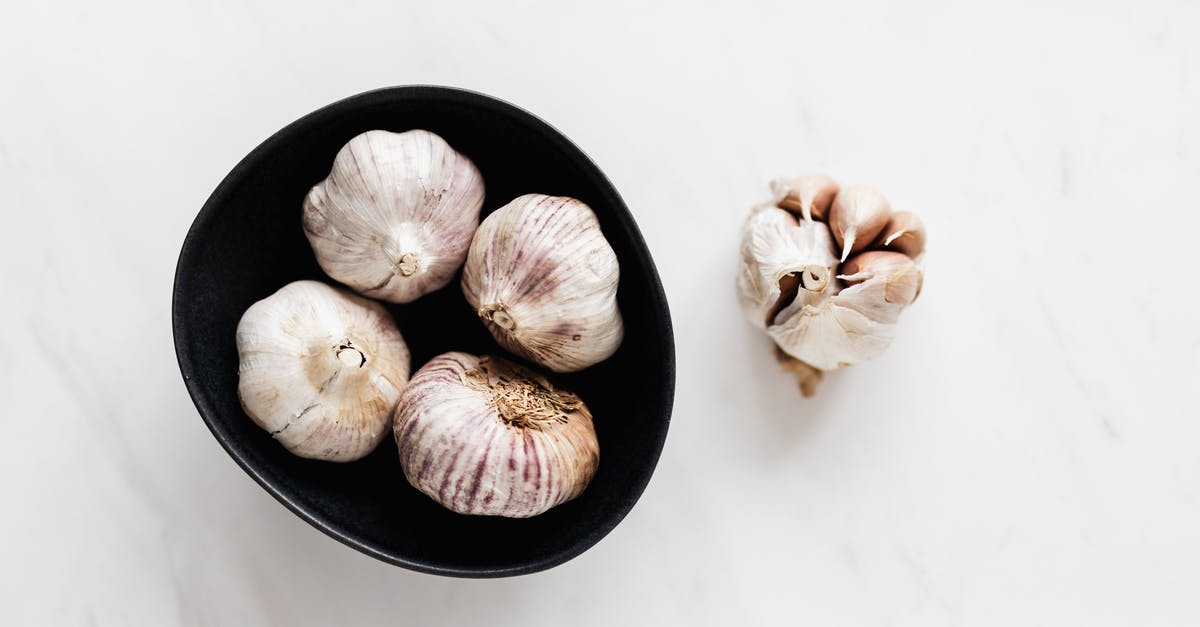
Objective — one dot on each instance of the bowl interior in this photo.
(248, 242)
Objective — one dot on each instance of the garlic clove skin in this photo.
(483, 436)
(543, 279)
(904, 233)
(810, 195)
(834, 334)
(859, 322)
(320, 369)
(786, 265)
(856, 217)
(395, 216)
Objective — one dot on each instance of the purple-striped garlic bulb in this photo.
(485, 436)
(826, 271)
(320, 369)
(395, 216)
(543, 279)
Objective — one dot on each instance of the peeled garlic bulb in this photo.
(857, 216)
(543, 279)
(321, 370)
(484, 436)
(824, 314)
(395, 216)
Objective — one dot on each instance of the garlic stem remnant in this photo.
(320, 369)
(485, 436)
(497, 315)
(543, 279)
(408, 264)
(814, 277)
(395, 216)
(826, 271)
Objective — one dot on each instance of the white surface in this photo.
(1027, 452)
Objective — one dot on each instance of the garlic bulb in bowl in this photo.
(543, 279)
(485, 436)
(321, 370)
(826, 271)
(395, 216)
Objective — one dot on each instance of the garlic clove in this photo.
(810, 195)
(321, 370)
(857, 216)
(484, 436)
(786, 265)
(543, 279)
(904, 233)
(900, 277)
(395, 216)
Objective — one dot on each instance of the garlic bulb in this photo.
(395, 216)
(484, 436)
(822, 314)
(321, 370)
(543, 279)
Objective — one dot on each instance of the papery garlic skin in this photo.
(847, 329)
(777, 252)
(543, 279)
(484, 436)
(395, 216)
(320, 369)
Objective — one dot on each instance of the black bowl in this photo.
(248, 242)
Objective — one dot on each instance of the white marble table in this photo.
(1027, 453)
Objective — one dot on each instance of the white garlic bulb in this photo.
(395, 216)
(484, 436)
(543, 279)
(321, 370)
(826, 313)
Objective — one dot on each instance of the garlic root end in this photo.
(807, 377)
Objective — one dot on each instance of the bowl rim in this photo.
(473, 99)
